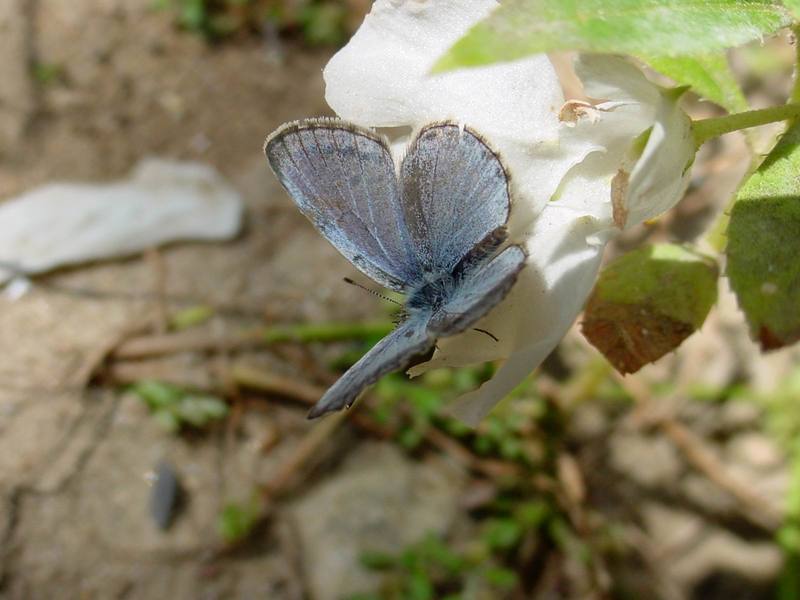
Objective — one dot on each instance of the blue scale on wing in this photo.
(480, 288)
(455, 192)
(343, 179)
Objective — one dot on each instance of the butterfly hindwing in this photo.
(455, 192)
(392, 353)
(342, 177)
(479, 289)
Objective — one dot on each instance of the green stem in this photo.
(325, 332)
(716, 236)
(706, 129)
(795, 95)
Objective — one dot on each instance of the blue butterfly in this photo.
(433, 231)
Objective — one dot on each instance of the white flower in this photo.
(579, 172)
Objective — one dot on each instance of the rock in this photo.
(380, 501)
(68, 223)
(165, 495)
(707, 495)
(756, 450)
(739, 414)
(649, 461)
(690, 551)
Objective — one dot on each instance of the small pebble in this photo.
(165, 495)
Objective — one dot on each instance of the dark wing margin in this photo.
(392, 353)
(342, 177)
(455, 192)
(480, 290)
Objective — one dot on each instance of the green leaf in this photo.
(519, 28)
(502, 533)
(167, 419)
(189, 317)
(647, 302)
(378, 561)
(199, 410)
(419, 586)
(764, 246)
(500, 577)
(156, 394)
(794, 8)
(709, 76)
(236, 521)
(532, 514)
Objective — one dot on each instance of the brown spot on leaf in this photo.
(619, 190)
(631, 336)
(770, 340)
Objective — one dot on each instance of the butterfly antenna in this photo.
(491, 335)
(373, 292)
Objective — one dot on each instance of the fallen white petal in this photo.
(68, 223)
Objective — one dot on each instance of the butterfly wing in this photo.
(392, 353)
(455, 192)
(481, 286)
(342, 177)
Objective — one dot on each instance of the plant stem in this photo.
(717, 235)
(795, 95)
(325, 332)
(706, 129)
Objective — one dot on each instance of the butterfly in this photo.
(433, 229)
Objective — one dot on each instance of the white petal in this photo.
(381, 78)
(607, 77)
(565, 281)
(659, 179)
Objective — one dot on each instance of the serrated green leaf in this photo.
(709, 76)
(647, 302)
(519, 28)
(764, 246)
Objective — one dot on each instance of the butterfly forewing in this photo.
(455, 192)
(343, 179)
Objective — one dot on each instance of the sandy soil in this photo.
(77, 453)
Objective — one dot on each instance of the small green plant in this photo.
(236, 521)
(47, 73)
(783, 422)
(319, 22)
(174, 408)
(430, 569)
(191, 317)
